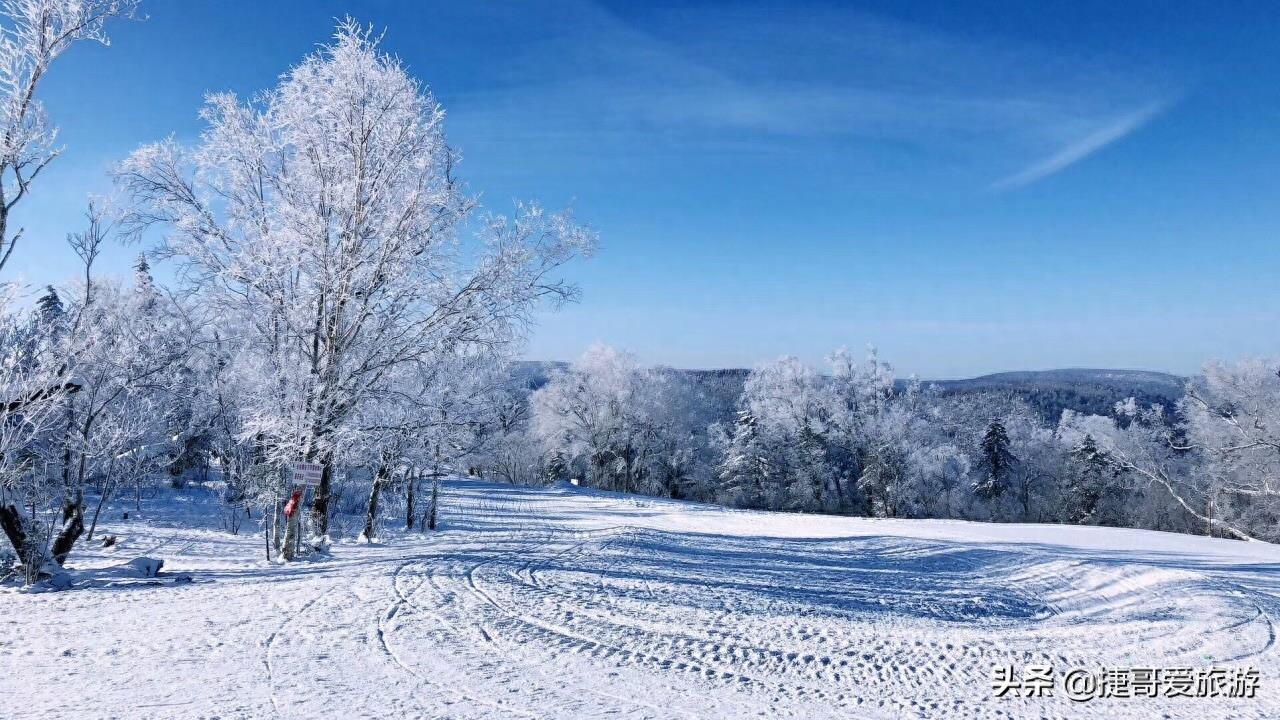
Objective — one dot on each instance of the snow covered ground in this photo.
(561, 602)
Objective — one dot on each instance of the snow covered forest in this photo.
(847, 439)
(340, 298)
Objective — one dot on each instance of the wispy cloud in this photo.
(1073, 153)
(902, 102)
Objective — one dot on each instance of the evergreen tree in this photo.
(49, 308)
(812, 482)
(144, 286)
(1087, 483)
(557, 466)
(996, 462)
(46, 327)
(745, 470)
(1086, 480)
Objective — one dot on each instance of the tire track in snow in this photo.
(402, 600)
(953, 611)
(517, 540)
(1263, 615)
(789, 662)
(269, 642)
(599, 647)
(469, 575)
(520, 541)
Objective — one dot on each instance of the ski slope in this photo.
(563, 603)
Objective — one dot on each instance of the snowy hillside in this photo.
(1079, 389)
(564, 602)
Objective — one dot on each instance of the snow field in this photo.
(564, 602)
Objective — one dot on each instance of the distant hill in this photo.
(533, 374)
(1073, 376)
(1086, 390)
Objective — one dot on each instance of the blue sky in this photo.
(972, 187)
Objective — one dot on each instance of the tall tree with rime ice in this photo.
(323, 217)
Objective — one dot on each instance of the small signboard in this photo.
(306, 473)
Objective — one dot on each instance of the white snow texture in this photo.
(564, 603)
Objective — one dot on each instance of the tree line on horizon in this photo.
(854, 441)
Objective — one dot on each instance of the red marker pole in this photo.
(292, 541)
(292, 506)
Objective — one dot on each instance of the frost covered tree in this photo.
(427, 424)
(1029, 460)
(49, 307)
(677, 464)
(607, 417)
(104, 374)
(885, 478)
(1142, 443)
(775, 456)
(941, 472)
(744, 471)
(851, 442)
(858, 404)
(324, 217)
(34, 383)
(125, 364)
(511, 453)
(33, 34)
(1231, 418)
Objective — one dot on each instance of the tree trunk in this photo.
(320, 500)
(275, 525)
(25, 536)
(292, 527)
(435, 503)
(108, 484)
(371, 516)
(836, 491)
(93, 526)
(14, 524)
(72, 517)
(410, 480)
